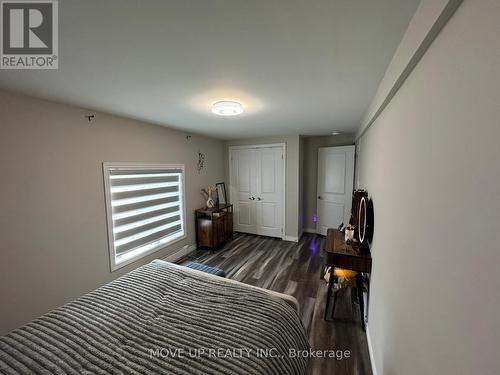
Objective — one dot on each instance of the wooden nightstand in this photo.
(214, 226)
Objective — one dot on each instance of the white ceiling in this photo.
(298, 66)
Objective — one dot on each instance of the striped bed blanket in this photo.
(162, 319)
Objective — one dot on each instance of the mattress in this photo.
(163, 318)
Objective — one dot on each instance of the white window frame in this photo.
(106, 166)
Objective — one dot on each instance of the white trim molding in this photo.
(264, 145)
(429, 19)
(310, 230)
(370, 350)
(180, 253)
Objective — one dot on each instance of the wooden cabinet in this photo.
(214, 226)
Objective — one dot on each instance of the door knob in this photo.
(319, 196)
(252, 198)
(259, 198)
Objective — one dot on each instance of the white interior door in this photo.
(269, 190)
(242, 188)
(258, 190)
(335, 184)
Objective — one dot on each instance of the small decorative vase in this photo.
(349, 235)
(210, 203)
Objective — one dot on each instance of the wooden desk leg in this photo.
(322, 273)
(334, 303)
(359, 287)
(329, 292)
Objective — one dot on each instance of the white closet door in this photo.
(257, 189)
(335, 184)
(242, 188)
(269, 191)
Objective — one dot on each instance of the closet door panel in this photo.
(270, 191)
(243, 185)
(245, 213)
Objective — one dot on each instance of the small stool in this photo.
(207, 269)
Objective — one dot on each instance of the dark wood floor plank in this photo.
(294, 268)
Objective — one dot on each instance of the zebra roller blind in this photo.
(145, 208)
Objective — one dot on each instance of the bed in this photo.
(163, 318)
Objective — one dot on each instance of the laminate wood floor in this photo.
(294, 268)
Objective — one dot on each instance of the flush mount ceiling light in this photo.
(336, 132)
(227, 108)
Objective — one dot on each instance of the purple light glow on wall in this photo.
(315, 219)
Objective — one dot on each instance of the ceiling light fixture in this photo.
(227, 108)
(336, 132)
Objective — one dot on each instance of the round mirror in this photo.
(369, 221)
(362, 220)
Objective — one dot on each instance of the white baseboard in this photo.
(291, 238)
(181, 253)
(309, 230)
(370, 350)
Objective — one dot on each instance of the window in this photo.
(145, 209)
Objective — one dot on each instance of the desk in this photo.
(339, 254)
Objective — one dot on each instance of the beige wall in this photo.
(310, 175)
(292, 176)
(53, 224)
(431, 161)
(301, 187)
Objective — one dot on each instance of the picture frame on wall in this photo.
(221, 193)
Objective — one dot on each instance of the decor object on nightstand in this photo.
(349, 232)
(221, 193)
(208, 193)
(214, 226)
